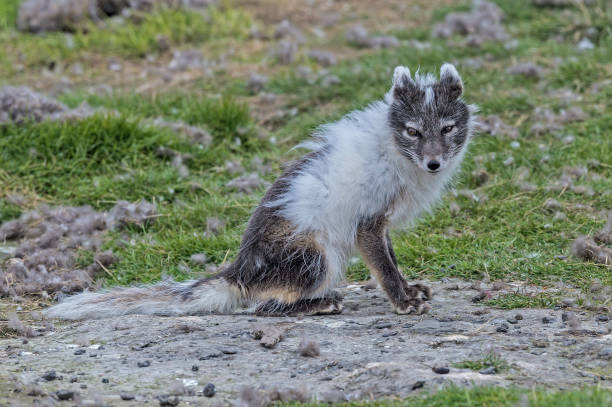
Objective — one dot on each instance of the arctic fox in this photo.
(373, 169)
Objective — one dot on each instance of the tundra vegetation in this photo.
(193, 109)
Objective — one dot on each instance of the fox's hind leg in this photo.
(330, 304)
(287, 272)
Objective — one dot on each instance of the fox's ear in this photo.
(401, 77)
(402, 81)
(451, 81)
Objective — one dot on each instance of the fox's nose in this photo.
(433, 165)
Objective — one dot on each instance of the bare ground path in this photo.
(365, 352)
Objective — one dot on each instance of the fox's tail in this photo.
(213, 295)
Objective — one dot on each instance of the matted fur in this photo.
(361, 168)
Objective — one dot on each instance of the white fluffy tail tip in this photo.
(166, 299)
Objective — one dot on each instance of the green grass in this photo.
(121, 38)
(510, 301)
(490, 360)
(8, 13)
(493, 397)
(507, 235)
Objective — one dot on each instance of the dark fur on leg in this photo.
(390, 249)
(374, 244)
(331, 304)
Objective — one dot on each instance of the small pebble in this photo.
(441, 369)
(488, 370)
(144, 363)
(383, 325)
(548, 320)
(481, 296)
(79, 351)
(50, 375)
(83, 386)
(502, 328)
(167, 401)
(603, 318)
(388, 334)
(418, 385)
(74, 379)
(568, 302)
(195, 368)
(605, 353)
(518, 316)
(126, 396)
(512, 321)
(104, 380)
(540, 343)
(209, 390)
(64, 394)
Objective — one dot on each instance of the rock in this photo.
(540, 343)
(359, 37)
(605, 353)
(488, 370)
(527, 69)
(64, 394)
(440, 369)
(50, 376)
(482, 23)
(324, 58)
(503, 328)
(479, 297)
(285, 51)
(144, 363)
(418, 385)
(256, 83)
(209, 390)
(189, 59)
(79, 351)
(167, 401)
(548, 320)
(126, 396)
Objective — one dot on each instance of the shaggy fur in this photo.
(374, 169)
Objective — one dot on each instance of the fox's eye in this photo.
(447, 129)
(412, 132)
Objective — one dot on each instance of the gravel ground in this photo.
(366, 352)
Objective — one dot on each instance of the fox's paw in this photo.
(412, 306)
(419, 291)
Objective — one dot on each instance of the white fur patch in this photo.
(430, 97)
(359, 174)
(165, 298)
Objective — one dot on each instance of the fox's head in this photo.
(431, 124)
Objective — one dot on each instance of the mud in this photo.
(365, 352)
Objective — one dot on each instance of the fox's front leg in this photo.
(411, 290)
(374, 245)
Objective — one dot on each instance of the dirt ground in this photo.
(366, 352)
